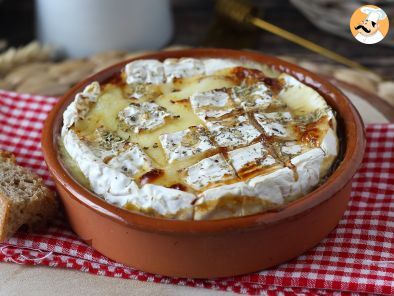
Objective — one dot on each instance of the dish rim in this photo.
(354, 136)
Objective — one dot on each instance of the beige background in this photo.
(18, 280)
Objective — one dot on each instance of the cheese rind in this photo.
(131, 161)
(110, 182)
(208, 171)
(104, 180)
(276, 187)
(274, 124)
(184, 67)
(212, 98)
(252, 97)
(330, 143)
(207, 115)
(81, 105)
(233, 132)
(308, 171)
(166, 201)
(145, 71)
(156, 72)
(211, 105)
(187, 143)
(255, 155)
(144, 116)
(291, 148)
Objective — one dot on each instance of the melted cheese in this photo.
(300, 98)
(189, 139)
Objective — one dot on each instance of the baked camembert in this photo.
(199, 138)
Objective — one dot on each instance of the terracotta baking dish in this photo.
(206, 249)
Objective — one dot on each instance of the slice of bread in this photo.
(24, 199)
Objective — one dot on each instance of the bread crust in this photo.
(33, 210)
(4, 213)
(7, 156)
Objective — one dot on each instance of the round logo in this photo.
(369, 24)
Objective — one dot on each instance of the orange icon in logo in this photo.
(369, 24)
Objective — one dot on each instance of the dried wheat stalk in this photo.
(33, 52)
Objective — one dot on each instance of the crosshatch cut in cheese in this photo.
(186, 143)
(233, 132)
(199, 139)
(251, 158)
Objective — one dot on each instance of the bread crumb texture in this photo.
(24, 199)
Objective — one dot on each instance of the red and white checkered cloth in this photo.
(358, 256)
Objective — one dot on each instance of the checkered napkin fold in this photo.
(358, 256)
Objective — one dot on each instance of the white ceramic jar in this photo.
(83, 27)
